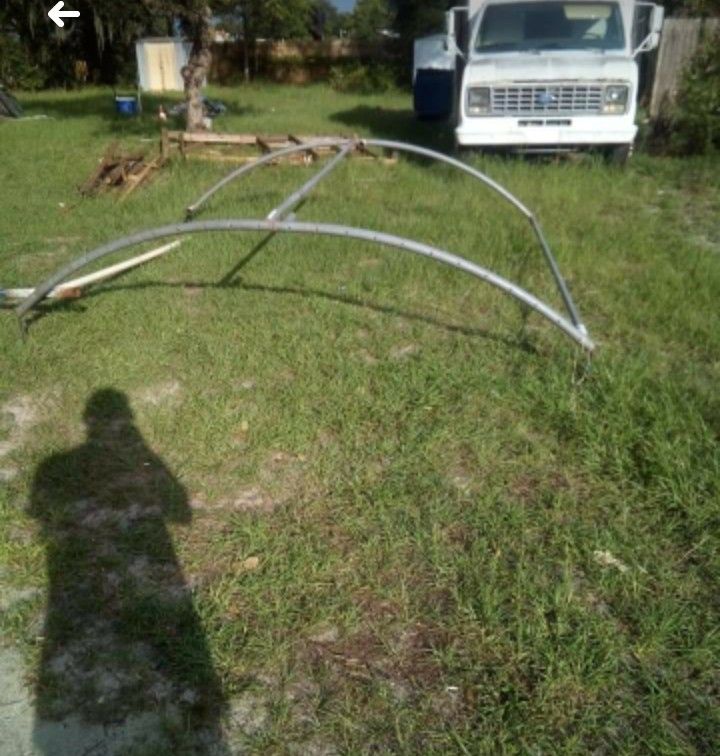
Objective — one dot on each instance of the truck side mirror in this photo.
(657, 19)
(652, 40)
(452, 30)
(656, 24)
(450, 23)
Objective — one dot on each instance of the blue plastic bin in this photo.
(126, 106)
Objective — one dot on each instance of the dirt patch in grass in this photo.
(156, 727)
(284, 475)
(251, 500)
(281, 479)
(465, 473)
(7, 473)
(202, 573)
(159, 393)
(10, 597)
(404, 351)
(192, 291)
(23, 732)
(533, 487)
(590, 598)
(364, 355)
(545, 485)
(369, 262)
(18, 416)
(403, 656)
(462, 480)
(62, 239)
(245, 500)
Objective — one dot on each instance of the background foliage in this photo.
(35, 54)
(695, 122)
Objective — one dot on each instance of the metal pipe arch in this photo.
(180, 229)
(347, 144)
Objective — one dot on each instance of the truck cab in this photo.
(547, 75)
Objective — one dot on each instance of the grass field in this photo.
(364, 503)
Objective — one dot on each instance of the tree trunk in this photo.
(197, 69)
(246, 47)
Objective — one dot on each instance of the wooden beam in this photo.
(164, 144)
(136, 179)
(210, 138)
(296, 140)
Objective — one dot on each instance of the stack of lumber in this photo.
(121, 171)
(244, 148)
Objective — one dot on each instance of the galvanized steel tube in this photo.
(262, 160)
(425, 250)
(431, 155)
(297, 196)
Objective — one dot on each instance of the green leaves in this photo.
(369, 18)
(696, 120)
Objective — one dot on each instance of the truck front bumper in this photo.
(545, 131)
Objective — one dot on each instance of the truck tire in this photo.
(618, 154)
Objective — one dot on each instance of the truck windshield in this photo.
(550, 26)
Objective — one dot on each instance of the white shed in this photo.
(159, 61)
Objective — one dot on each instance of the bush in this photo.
(362, 79)
(16, 69)
(695, 121)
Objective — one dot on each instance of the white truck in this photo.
(538, 75)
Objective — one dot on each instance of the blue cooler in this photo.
(126, 106)
(433, 93)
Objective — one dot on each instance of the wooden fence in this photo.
(293, 62)
(681, 39)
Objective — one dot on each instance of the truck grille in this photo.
(533, 99)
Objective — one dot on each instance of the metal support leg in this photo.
(297, 196)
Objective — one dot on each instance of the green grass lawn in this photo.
(366, 503)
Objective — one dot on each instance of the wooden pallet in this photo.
(250, 146)
(120, 171)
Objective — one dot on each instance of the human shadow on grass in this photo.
(122, 641)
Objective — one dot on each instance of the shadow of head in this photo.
(107, 409)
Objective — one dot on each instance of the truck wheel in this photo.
(464, 151)
(617, 154)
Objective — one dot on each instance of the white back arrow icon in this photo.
(57, 14)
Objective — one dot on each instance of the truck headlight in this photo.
(478, 101)
(615, 99)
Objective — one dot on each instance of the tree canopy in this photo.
(34, 52)
(104, 38)
(369, 18)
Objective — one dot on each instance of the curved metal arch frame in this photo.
(388, 240)
(345, 144)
